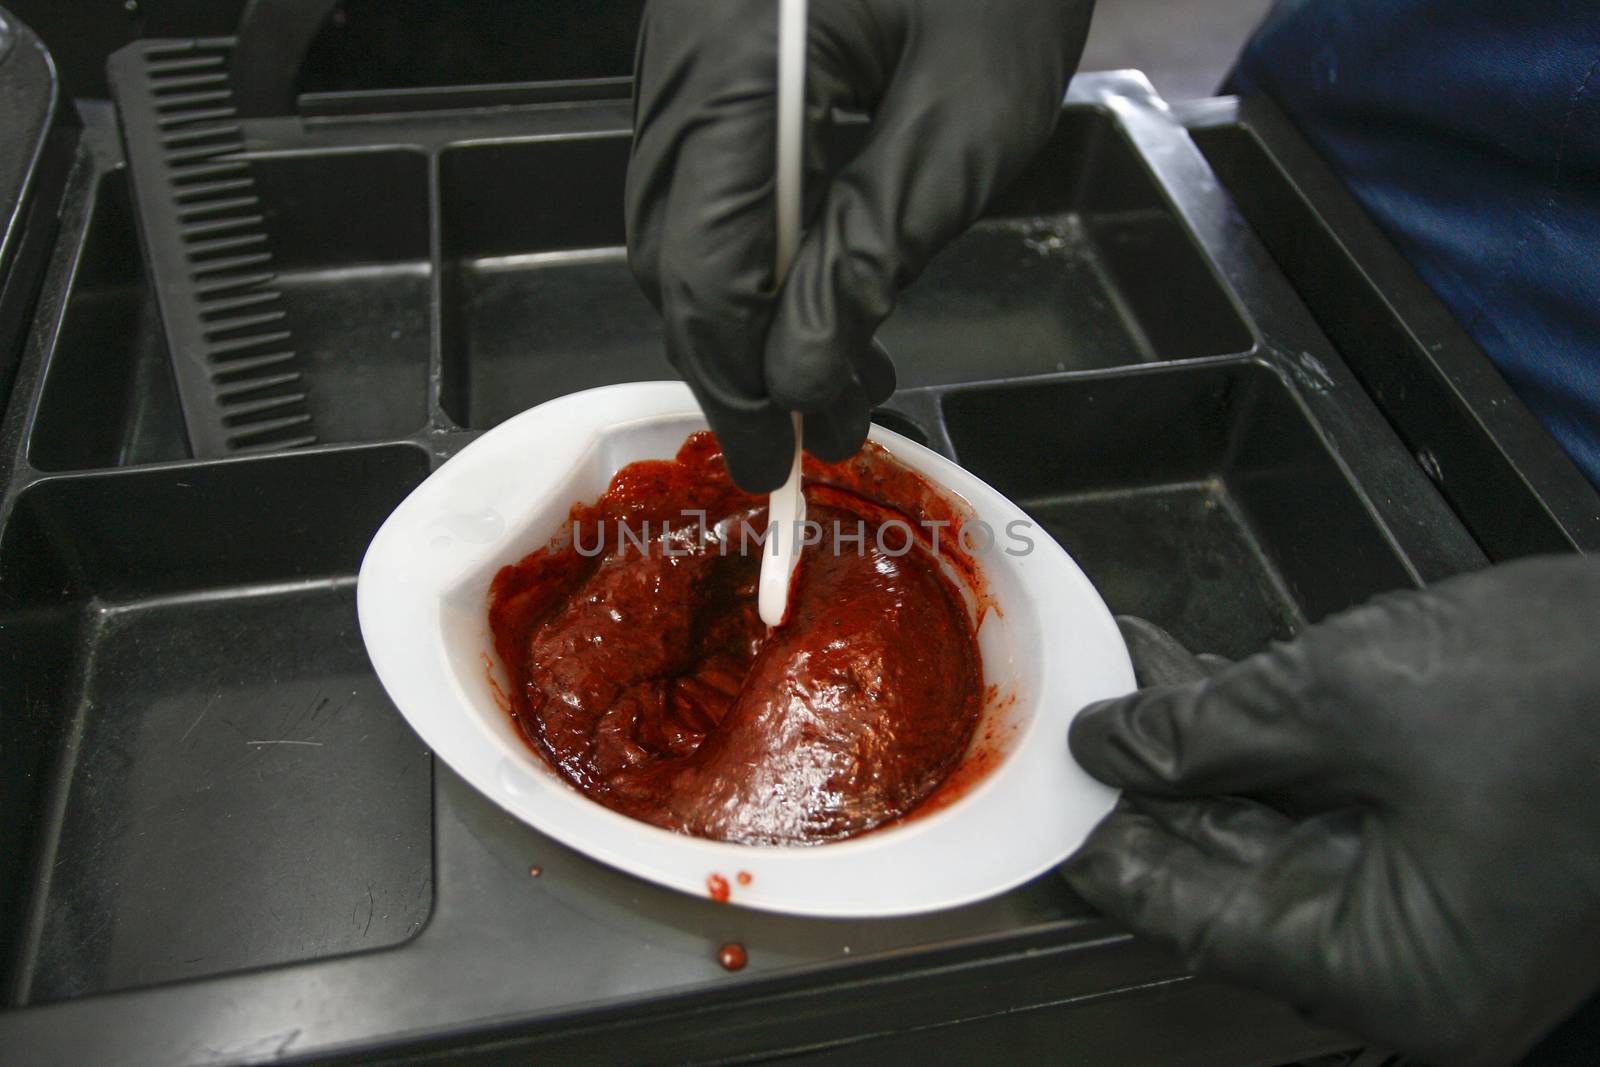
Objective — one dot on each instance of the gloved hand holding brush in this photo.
(961, 95)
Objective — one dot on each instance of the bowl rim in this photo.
(415, 583)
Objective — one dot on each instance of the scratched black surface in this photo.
(243, 794)
(219, 781)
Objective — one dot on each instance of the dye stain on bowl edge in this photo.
(717, 888)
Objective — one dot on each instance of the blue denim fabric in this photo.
(1470, 129)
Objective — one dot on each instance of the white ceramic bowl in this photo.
(423, 599)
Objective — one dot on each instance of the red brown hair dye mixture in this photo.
(642, 673)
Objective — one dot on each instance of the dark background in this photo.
(369, 43)
(1185, 46)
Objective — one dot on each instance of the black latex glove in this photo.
(1392, 822)
(961, 92)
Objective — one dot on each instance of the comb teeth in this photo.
(225, 373)
(199, 46)
(201, 173)
(211, 248)
(175, 82)
(201, 154)
(214, 289)
(244, 322)
(205, 194)
(225, 307)
(229, 205)
(228, 131)
(223, 349)
(226, 135)
(189, 101)
(213, 114)
(163, 67)
(194, 230)
(233, 390)
(244, 413)
(268, 432)
(257, 393)
(213, 267)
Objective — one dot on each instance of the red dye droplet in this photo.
(717, 886)
(733, 957)
(744, 877)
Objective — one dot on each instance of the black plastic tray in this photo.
(1504, 475)
(36, 143)
(220, 846)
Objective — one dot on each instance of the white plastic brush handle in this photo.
(786, 507)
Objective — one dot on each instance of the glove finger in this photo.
(1304, 911)
(757, 438)
(1158, 657)
(1255, 728)
(1229, 828)
(834, 434)
(1142, 872)
(1239, 894)
(875, 370)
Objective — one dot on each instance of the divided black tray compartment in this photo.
(351, 253)
(293, 284)
(1503, 474)
(109, 397)
(1081, 264)
(37, 135)
(538, 300)
(353, 278)
(1201, 498)
(209, 774)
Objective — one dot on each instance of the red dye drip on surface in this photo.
(732, 956)
(744, 877)
(642, 672)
